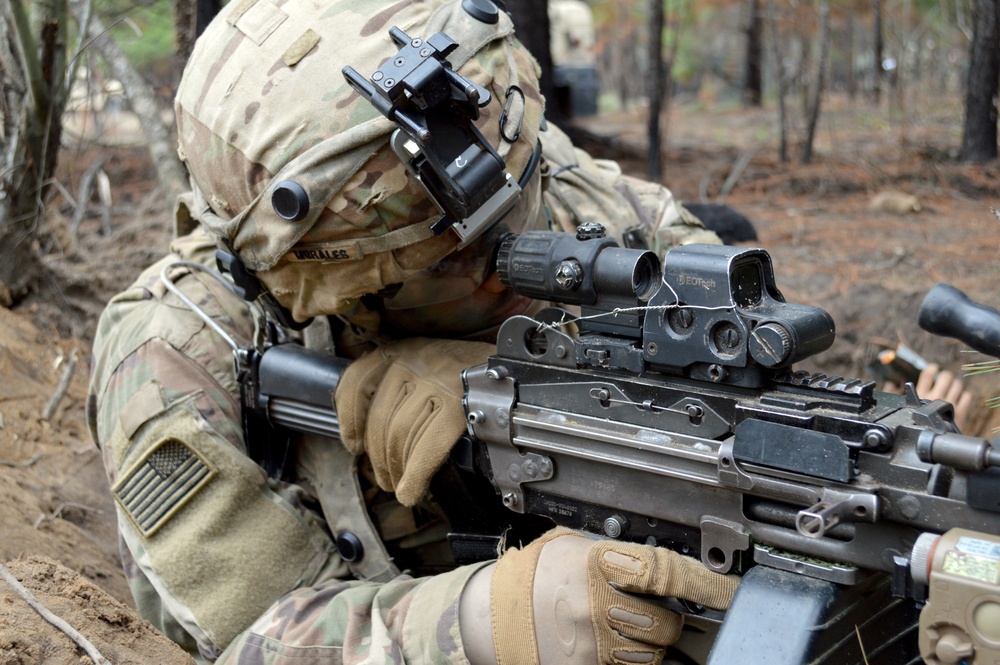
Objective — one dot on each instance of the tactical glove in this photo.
(402, 405)
(567, 598)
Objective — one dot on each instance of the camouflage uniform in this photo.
(220, 557)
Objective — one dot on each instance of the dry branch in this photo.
(104, 194)
(58, 512)
(70, 631)
(21, 465)
(142, 100)
(734, 175)
(83, 194)
(61, 389)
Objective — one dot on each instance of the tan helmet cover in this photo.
(263, 100)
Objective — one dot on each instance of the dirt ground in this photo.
(869, 268)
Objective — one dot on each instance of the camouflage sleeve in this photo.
(578, 188)
(668, 224)
(402, 621)
(210, 541)
(223, 560)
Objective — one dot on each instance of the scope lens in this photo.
(645, 277)
(747, 284)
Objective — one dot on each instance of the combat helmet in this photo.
(292, 168)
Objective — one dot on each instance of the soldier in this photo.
(241, 566)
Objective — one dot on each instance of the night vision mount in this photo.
(435, 109)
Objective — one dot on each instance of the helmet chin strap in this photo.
(250, 288)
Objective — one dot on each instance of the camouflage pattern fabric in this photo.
(263, 100)
(208, 540)
(240, 549)
(578, 188)
(163, 390)
(403, 621)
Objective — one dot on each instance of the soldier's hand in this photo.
(568, 598)
(402, 405)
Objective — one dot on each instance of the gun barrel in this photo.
(297, 386)
(949, 312)
(302, 417)
(966, 453)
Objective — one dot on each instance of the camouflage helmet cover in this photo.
(263, 100)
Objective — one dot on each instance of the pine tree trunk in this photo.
(754, 83)
(979, 138)
(878, 48)
(782, 83)
(654, 162)
(191, 17)
(820, 82)
(852, 82)
(185, 15)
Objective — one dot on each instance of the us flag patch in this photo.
(166, 479)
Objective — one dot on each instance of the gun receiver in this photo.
(674, 417)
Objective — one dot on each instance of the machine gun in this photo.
(674, 417)
(667, 411)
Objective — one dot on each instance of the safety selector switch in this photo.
(961, 621)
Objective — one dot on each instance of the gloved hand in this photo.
(402, 405)
(566, 598)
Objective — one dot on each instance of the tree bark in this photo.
(820, 84)
(531, 24)
(622, 62)
(878, 47)
(185, 14)
(171, 175)
(782, 83)
(850, 82)
(654, 161)
(191, 17)
(753, 86)
(979, 136)
(33, 84)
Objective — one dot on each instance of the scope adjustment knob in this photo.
(770, 344)
(569, 274)
(590, 230)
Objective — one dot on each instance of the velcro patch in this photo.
(306, 42)
(259, 20)
(326, 253)
(161, 484)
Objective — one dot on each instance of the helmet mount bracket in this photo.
(434, 109)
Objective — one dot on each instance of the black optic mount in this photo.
(434, 108)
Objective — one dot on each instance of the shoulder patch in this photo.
(163, 481)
